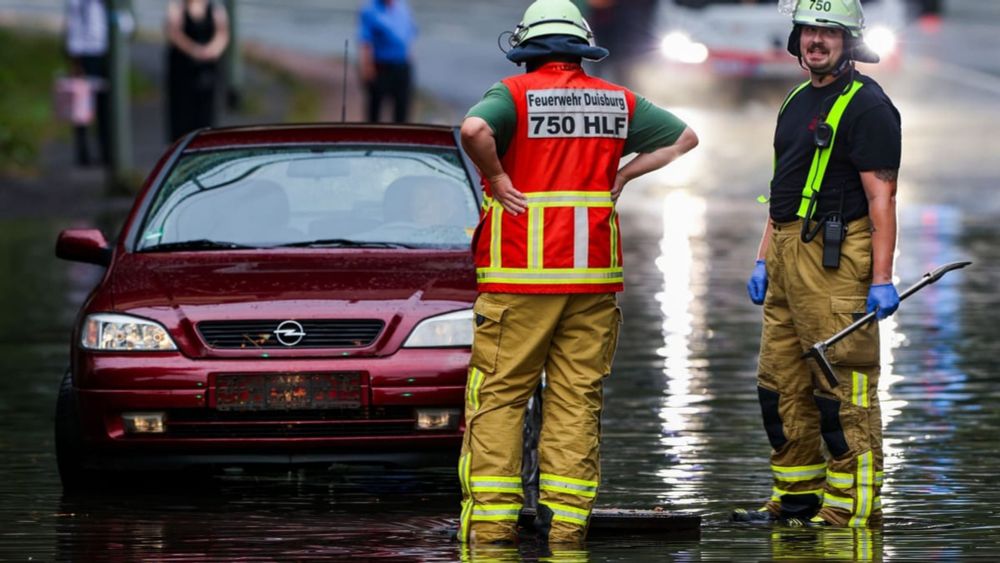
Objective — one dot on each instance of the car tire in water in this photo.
(69, 443)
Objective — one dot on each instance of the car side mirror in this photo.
(84, 245)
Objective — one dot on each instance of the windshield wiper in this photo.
(343, 243)
(197, 244)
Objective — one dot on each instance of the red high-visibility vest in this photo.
(564, 155)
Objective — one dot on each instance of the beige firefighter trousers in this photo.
(573, 339)
(805, 304)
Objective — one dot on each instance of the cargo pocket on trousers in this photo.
(612, 347)
(859, 348)
(488, 320)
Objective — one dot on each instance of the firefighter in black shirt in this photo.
(825, 258)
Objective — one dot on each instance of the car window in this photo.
(262, 197)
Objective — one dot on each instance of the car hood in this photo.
(397, 288)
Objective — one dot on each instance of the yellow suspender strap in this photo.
(784, 105)
(821, 158)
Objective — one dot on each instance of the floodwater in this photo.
(681, 425)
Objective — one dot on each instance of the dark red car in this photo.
(286, 294)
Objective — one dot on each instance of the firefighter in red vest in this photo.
(548, 260)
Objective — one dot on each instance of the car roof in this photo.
(323, 133)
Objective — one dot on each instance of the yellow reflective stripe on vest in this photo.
(566, 513)
(495, 484)
(569, 199)
(556, 483)
(865, 491)
(879, 478)
(580, 201)
(496, 229)
(799, 473)
(496, 512)
(614, 239)
(821, 158)
(859, 389)
(475, 382)
(840, 480)
(553, 275)
(777, 493)
(536, 234)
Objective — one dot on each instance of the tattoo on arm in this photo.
(887, 175)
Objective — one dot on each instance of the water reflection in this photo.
(682, 265)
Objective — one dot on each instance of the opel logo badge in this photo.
(290, 333)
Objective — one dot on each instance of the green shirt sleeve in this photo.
(498, 111)
(651, 128)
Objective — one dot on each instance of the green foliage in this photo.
(28, 65)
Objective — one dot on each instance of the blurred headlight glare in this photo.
(882, 40)
(443, 331)
(125, 333)
(678, 46)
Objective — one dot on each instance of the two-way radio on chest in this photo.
(832, 223)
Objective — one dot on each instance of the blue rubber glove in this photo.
(884, 299)
(757, 286)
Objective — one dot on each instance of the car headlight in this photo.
(106, 331)
(679, 47)
(451, 329)
(882, 40)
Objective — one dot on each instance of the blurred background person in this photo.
(197, 35)
(386, 30)
(627, 26)
(87, 49)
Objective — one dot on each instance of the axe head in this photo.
(818, 353)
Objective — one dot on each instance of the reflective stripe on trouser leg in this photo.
(785, 394)
(853, 436)
(509, 351)
(581, 354)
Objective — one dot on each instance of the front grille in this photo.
(199, 423)
(318, 334)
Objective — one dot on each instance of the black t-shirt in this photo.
(868, 138)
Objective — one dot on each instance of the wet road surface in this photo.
(681, 426)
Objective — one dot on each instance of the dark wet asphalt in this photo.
(682, 425)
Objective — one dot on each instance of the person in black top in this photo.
(824, 260)
(198, 33)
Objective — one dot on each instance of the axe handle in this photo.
(818, 351)
(927, 279)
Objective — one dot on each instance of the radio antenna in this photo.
(343, 94)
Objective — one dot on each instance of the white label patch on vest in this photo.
(577, 112)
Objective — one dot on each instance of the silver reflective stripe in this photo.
(581, 237)
(566, 513)
(549, 275)
(535, 237)
(582, 489)
(865, 490)
(840, 480)
(496, 512)
(838, 502)
(571, 199)
(496, 228)
(800, 473)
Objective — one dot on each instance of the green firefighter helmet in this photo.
(552, 17)
(846, 15)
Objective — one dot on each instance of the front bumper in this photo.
(392, 388)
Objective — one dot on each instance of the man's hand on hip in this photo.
(509, 197)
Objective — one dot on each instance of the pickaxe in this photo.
(818, 351)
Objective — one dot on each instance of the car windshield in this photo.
(356, 196)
